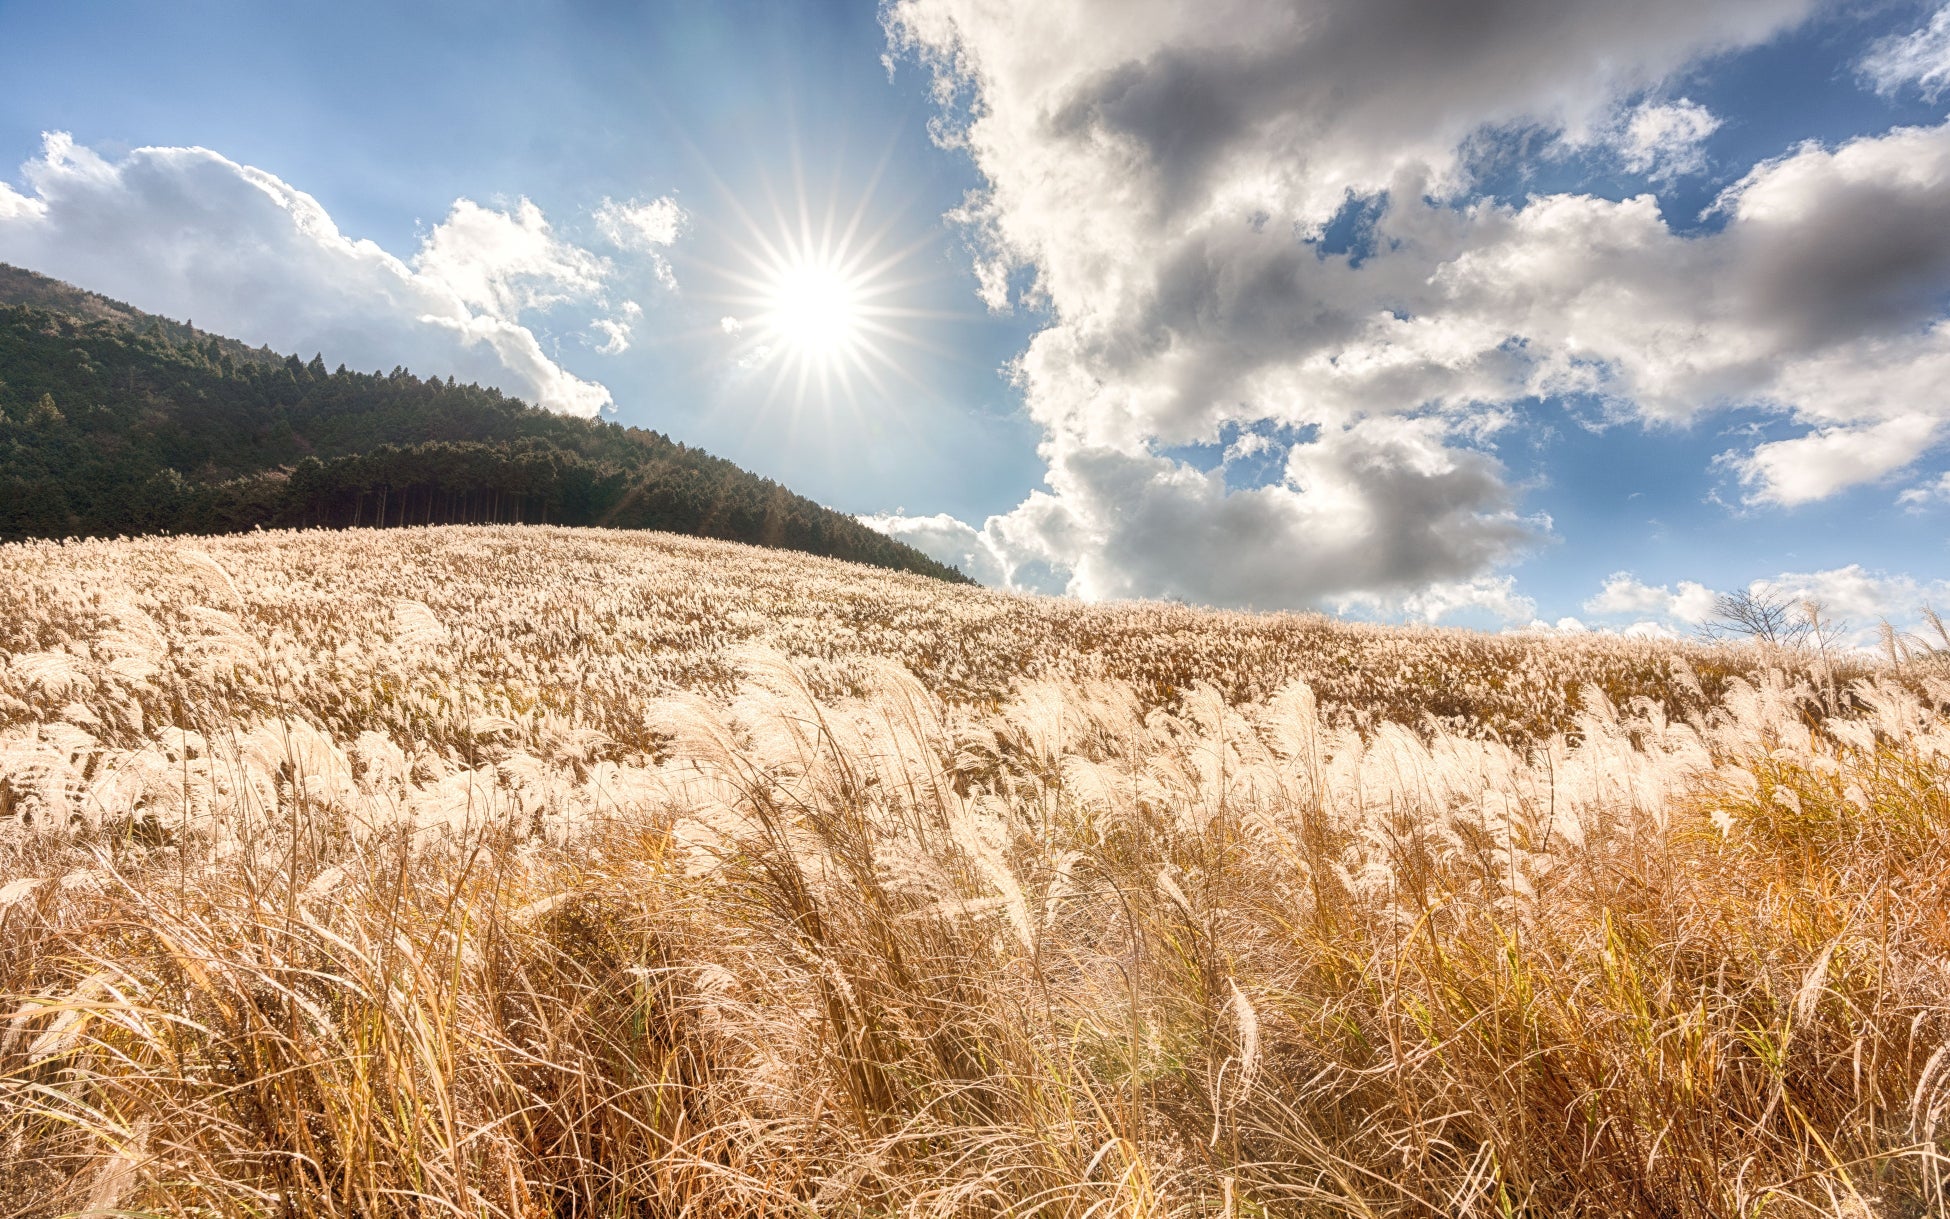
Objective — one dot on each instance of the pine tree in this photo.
(44, 413)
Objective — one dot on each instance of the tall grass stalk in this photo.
(314, 903)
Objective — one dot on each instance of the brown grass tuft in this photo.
(502, 872)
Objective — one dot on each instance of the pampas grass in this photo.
(539, 872)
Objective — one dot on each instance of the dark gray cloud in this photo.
(1830, 248)
(1353, 90)
(1382, 507)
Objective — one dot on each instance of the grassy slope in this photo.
(570, 872)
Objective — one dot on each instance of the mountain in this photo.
(115, 421)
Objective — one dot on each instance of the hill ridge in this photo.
(117, 421)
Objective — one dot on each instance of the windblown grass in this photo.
(548, 872)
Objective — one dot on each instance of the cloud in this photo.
(1665, 140)
(1650, 630)
(1661, 140)
(1154, 173)
(1496, 596)
(1377, 510)
(1853, 598)
(1381, 507)
(191, 234)
(506, 262)
(1829, 246)
(1859, 598)
(646, 228)
(18, 208)
(1815, 466)
(1624, 594)
(1642, 629)
(1819, 298)
(946, 540)
(641, 226)
(1920, 58)
(618, 329)
(1919, 498)
(1299, 101)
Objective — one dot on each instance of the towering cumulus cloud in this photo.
(1158, 179)
(186, 232)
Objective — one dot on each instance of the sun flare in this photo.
(814, 309)
(823, 304)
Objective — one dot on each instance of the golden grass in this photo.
(511, 872)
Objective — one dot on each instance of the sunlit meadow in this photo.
(549, 872)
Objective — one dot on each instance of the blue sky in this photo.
(387, 113)
(1496, 391)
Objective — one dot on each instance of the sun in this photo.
(815, 309)
(820, 303)
(820, 308)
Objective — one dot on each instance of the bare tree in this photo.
(1762, 617)
(1768, 616)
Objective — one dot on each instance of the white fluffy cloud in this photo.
(1378, 511)
(1624, 595)
(1920, 58)
(16, 208)
(1852, 598)
(1858, 596)
(1154, 170)
(1817, 465)
(1665, 139)
(188, 233)
(949, 540)
(1496, 596)
(1645, 628)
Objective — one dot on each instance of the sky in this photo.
(1531, 314)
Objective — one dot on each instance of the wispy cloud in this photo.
(1920, 59)
(1664, 139)
(648, 228)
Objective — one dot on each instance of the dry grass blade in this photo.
(523, 873)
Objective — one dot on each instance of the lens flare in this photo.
(815, 310)
(821, 300)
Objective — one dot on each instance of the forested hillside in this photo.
(113, 421)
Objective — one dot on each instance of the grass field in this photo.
(548, 872)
